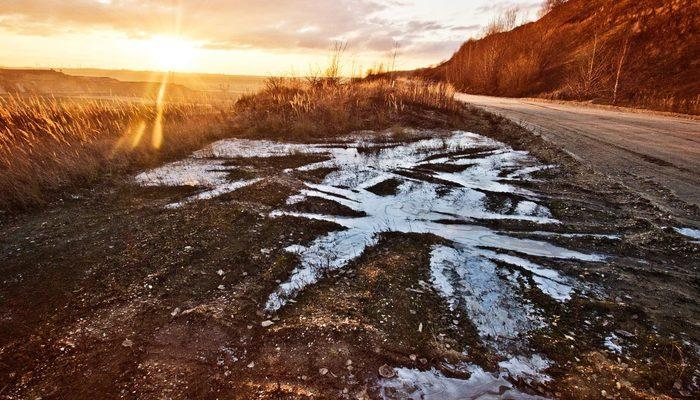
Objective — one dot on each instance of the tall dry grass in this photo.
(49, 145)
(300, 110)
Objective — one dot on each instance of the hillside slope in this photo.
(584, 49)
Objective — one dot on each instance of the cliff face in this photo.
(641, 53)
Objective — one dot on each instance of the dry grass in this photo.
(297, 109)
(49, 145)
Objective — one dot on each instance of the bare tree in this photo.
(503, 23)
(621, 62)
(550, 5)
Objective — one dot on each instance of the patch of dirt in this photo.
(385, 188)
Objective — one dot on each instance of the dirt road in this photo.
(657, 155)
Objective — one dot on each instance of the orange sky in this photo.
(254, 37)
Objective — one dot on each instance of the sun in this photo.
(171, 53)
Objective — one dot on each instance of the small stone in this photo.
(386, 371)
(221, 287)
(323, 371)
(420, 327)
(175, 312)
(348, 362)
(618, 385)
(188, 248)
(604, 393)
(624, 333)
(251, 365)
(267, 323)
(413, 357)
(220, 272)
(127, 343)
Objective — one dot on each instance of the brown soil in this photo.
(111, 295)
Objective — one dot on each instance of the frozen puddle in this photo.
(689, 233)
(447, 187)
(433, 385)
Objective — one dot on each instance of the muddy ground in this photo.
(111, 294)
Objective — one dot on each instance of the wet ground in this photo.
(408, 263)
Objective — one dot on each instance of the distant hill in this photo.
(231, 84)
(51, 82)
(639, 53)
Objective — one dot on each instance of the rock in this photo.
(188, 248)
(267, 323)
(221, 287)
(252, 364)
(220, 272)
(323, 371)
(413, 357)
(386, 371)
(420, 327)
(175, 312)
(624, 333)
(127, 343)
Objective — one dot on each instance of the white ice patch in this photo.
(530, 208)
(472, 282)
(689, 232)
(433, 385)
(528, 369)
(613, 343)
(428, 201)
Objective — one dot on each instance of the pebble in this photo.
(175, 312)
(267, 323)
(220, 272)
(221, 287)
(127, 343)
(323, 371)
(386, 371)
(251, 365)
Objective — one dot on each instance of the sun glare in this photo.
(171, 54)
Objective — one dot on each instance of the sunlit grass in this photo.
(49, 144)
(49, 147)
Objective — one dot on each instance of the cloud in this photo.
(222, 24)
(371, 27)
